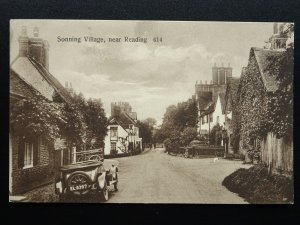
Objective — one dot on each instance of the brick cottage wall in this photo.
(27, 179)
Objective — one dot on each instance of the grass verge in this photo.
(257, 186)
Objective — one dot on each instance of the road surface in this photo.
(156, 177)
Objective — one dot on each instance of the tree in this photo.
(145, 131)
(151, 122)
(215, 135)
(188, 134)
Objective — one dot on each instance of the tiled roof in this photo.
(28, 69)
(269, 70)
(122, 119)
(209, 108)
(204, 98)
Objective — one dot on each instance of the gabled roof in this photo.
(269, 66)
(27, 68)
(204, 98)
(209, 108)
(122, 119)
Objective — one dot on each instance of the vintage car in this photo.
(85, 178)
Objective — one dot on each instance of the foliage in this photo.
(176, 119)
(74, 130)
(280, 103)
(94, 117)
(260, 112)
(188, 135)
(80, 122)
(151, 122)
(145, 131)
(215, 135)
(36, 116)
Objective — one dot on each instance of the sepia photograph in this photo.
(145, 111)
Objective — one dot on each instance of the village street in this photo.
(156, 177)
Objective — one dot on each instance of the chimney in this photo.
(23, 42)
(39, 49)
(35, 32)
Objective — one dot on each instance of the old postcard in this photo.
(151, 112)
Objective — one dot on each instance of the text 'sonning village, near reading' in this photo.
(151, 112)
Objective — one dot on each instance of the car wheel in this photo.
(104, 192)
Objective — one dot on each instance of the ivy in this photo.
(36, 116)
(259, 112)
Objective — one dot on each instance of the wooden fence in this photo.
(277, 154)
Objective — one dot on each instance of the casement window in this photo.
(28, 153)
(114, 132)
(113, 146)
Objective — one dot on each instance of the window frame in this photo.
(28, 157)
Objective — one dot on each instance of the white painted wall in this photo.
(121, 133)
(217, 113)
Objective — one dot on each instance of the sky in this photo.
(150, 76)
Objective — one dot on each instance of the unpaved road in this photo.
(156, 177)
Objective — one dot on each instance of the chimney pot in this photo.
(35, 31)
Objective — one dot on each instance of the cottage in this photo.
(123, 133)
(210, 99)
(262, 119)
(31, 156)
(212, 115)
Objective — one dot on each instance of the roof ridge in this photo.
(44, 71)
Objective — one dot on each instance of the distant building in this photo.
(208, 95)
(282, 37)
(212, 115)
(123, 132)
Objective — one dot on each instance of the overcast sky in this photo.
(150, 76)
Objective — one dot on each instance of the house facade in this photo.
(259, 84)
(123, 132)
(212, 115)
(210, 99)
(32, 158)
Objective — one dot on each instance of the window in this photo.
(28, 155)
(113, 147)
(202, 119)
(218, 119)
(28, 152)
(114, 132)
